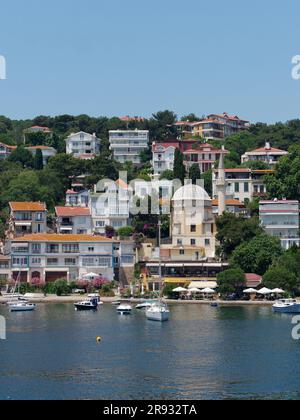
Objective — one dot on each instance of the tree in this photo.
(281, 277)
(38, 160)
(207, 178)
(168, 175)
(126, 231)
(22, 156)
(179, 168)
(234, 230)
(194, 173)
(257, 255)
(230, 281)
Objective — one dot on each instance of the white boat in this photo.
(145, 305)
(97, 297)
(22, 307)
(124, 309)
(158, 312)
(287, 306)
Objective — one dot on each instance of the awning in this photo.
(56, 270)
(204, 284)
(20, 245)
(17, 270)
(23, 223)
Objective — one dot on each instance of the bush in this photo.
(60, 288)
(231, 281)
(126, 231)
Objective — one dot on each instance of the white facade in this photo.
(5, 150)
(163, 157)
(47, 152)
(126, 145)
(83, 145)
(242, 184)
(267, 154)
(73, 220)
(26, 218)
(109, 205)
(281, 220)
(78, 198)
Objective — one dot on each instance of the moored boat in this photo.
(87, 305)
(21, 307)
(145, 305)
(124, 309)
(287, 306)
(158, 312)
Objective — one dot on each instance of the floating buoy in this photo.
(99, 339)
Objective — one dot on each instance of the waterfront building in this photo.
(47, 152)
(267, 154)
(73, 220)
(127, 145)
(205, 155)
(242, 184)
(27, 218)
(232, 124)
(280, 218)
(5, 150)
(109, 205)
(5, 269)
(83, 145)
(49, 257)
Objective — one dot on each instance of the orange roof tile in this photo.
(27, 206)
(61, 238)
(72, 211)
(230, 202)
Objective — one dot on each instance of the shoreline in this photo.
(107, 300)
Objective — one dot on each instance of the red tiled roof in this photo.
(230, 202)
(40, 147)
(72, 211)
(27, 206)
(47, 237)
(267, 150)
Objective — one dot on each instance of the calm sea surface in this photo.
(203, 352)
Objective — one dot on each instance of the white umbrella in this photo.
(265, 291)
(195, 290)
(278, 291)
(180, 290)
(90, 276)
(250, 291)
(208, 291)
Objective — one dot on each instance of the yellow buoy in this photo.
(99, 339)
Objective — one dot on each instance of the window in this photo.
(52, 248)
(181, 252)
(20, 262)
(100, 223)
(35, 261)
(70, 248)
(246, 187)
(193, 242)
(104, 262)
(207, 242)
(39, 217)
(70, 262)
(193, 228)
(237, 187)
(88, 262)
(52, 261)
(91, 249)
(179, 242)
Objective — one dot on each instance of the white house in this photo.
(163, 155)
(27, 217)
(74, 220)
(47, 152)
(5, 150)
(126, 145)
(83, 145)
(77, 197)
(266, 154)
(280, 218)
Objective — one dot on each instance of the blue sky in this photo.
(120, 57)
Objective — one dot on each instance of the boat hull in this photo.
(28, 309)
(292, 309)
(86, 308)
(157, 316)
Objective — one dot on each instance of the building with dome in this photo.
(189, 257)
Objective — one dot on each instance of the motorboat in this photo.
(124, 309)
(145, 305)
(158, 312)
(97, 297)
(21, 307)
(287, 306)
(87, 305)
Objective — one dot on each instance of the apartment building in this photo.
(27, 218)
(77, 197)
(242, 184)
(73, 220)
(5, 270)
(214, 127)
(205, 155)
(49, 257)
(127, 145)
(83, 145)
(109, 205)
(280, 218)
(267, 154)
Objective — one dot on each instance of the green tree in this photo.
(281, 277)
(257, 255)
(38, 160)
(168, 175)
(22, 156)
(195, 173)
(231, 281)
(179, 168)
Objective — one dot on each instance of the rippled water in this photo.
(202, 352)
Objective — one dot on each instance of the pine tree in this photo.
(179, 168)
(195, 173)
(38, 160)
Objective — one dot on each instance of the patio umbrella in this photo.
(195, 290)
(208, 291)
(250, 291)
(180, 290)
(90, 276)
(265, 291)
(278, 291)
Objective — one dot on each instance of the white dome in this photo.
(191, 192)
